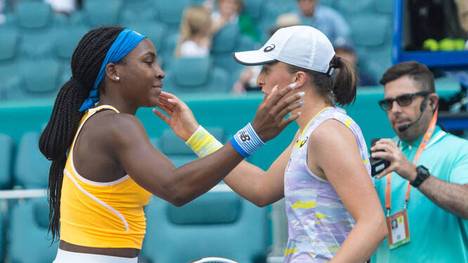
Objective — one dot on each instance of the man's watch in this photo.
(422, 173)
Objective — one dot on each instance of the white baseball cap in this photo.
(302, 46)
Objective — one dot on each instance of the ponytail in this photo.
(344, 81)
(55, 140)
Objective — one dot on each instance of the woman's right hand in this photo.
(180, 118)
(270, 118)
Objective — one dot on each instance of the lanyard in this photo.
(422, 146)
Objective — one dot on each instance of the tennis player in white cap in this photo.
(324, 174)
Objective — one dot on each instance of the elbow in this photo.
(178, 202)
(381, 226)
(259, 204)
(377, 223)
(261, 201)
(383, 230)
(175, 195)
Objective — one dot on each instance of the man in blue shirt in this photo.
(424, 191)
(325, 19)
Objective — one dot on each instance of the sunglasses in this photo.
(402, 100)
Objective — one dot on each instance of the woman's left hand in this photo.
(180, 118)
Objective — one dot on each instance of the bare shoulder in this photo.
(331, 134)
(330, 144)
(124, 121)
(121, 127)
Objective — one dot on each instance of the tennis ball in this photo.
(446, 44)
(430, 44)
(459, 43)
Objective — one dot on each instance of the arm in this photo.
(450, 196)
(260, 187)
(344, 169)
(254, 184)
(153, 171)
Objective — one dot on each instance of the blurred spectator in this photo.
(324, 18)
(230, 11)
(63, 6)
(285, 20)
(347, 52)
(462, 6)
(195, 33)
(248, 78)
(2, 10)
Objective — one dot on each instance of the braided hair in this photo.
(58, 135)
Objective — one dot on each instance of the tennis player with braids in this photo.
(333, 211)
(104, 168)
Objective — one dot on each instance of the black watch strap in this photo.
(422, 173)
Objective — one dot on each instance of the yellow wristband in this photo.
(203, 143)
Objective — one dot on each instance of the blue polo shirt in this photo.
(435, 234)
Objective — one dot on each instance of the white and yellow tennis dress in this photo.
(318, 222)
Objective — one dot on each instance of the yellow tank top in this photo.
(102, 215)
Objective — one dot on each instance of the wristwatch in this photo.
(422, 173)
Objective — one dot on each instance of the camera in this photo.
(377, 164)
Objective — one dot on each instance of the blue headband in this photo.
(125, 42)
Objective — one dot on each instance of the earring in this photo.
(117, 78)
